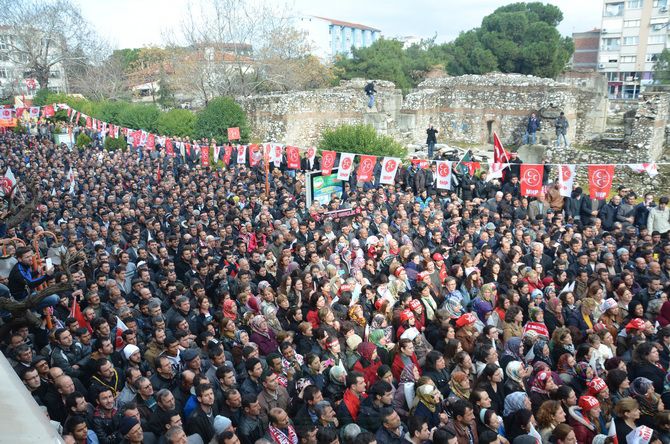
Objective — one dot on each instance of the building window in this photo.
(613, 9)
(4, 57)
(634, 4)
(54, 74)
(652, 57)
(660, 3)
(654, 39)
(631, 40)
(4, 42)
(612, 60)
(3, 73)
(631, 23)
(628, 59)
(611, 44)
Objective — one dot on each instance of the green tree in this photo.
(166, 97)
(516, 38)
(662, 68)
(220, 114)
(385, 60)
(177, 122)
(360, 139)
(112, 144)
(140, 117)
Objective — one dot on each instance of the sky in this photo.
(138, 23)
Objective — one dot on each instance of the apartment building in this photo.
(633, 33)
(330, 37)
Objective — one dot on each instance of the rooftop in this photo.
(348, 24)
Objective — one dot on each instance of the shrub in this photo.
(112, 144)
(177, 122)
(360, 139)
(140, 117)
(83, 140)
(220, 114)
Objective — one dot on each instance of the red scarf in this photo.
(352, 402)
(280, 437)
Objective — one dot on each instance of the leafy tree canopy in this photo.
(662, 68)
(220, 114)
(361, 139)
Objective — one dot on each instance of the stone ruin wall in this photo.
(465, 108)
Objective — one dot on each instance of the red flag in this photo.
(69, 112)
(227, 154)
(169, 148)
(389, 170)
(204, 155)
(151, 142)
(443, 174)
(327, 162)
(611, 433)
(472, 167)
(188, 149)
(75, 312)
(120, 328)
(137, 137)
(49, 111)
(293, 157)
(158, 173)
(600, 180)
(366, 168)
(531, 179)
(89, 122)
(500, 154)
(234, 133)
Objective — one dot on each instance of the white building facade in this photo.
(330, 38)
(633, 34)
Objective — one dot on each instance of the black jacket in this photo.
(199, 423)
(649, 371)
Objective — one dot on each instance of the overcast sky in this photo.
(137, 23)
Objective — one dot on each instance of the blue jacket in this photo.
(533, 125)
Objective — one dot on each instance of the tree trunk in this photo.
(42, 77)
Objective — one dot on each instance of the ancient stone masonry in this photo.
(467, 109)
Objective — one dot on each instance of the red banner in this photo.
(234, 133)
(531, 179)
(169, 148)
(89, 122)
(293, 157)
(600, 180)
(137, 136)
(254, 155)
(366, 168)
(151, 142)
(327, 162)
(49, 111)
(204, 155)
(227, 154)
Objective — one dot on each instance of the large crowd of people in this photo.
(209, 310)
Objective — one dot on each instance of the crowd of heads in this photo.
(207, 307)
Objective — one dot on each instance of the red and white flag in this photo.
(566, 179)
(276, 155)
(389, 170)
(227, 154)
(241, 154)
(292, 158)
(366, 168)
(649, 168)
(500, 154)
(531, 179)
(611, 433)
(255, 155)
(496, 170)
(443, 174)
(216, 150)
(7, 182)
(70, 178)
(346, 165)
(35, 112)
(120, 328)
(169, 147)
(6, 113)
(600, 180)
(204, 155)
(327, 162)
(151, 142)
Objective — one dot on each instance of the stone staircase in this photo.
(614, 136)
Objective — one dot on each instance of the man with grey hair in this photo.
(325, 415)
(537, 257)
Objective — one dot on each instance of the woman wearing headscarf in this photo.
(515, 404)
(540, 353)
(263, 336)
(553, 315)
(610, 315)
(351, 351)
(536, 323)
(453, 307)
(336, 386)
(428, 405)
(583, 375)
(542, 387)
(403, 398)
(459, 386)
(483, 303)
(516, 372)
(230, 309)
(513, 352)
(642, 390)
(566, 368)
(368, 363)
(356, 316)
(404, 355)
(378, 338)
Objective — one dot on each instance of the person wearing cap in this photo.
(131, 430)
(584, 418)
(466, 332)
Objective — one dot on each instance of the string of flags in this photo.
(600, 176)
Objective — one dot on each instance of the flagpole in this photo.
(267, 174)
